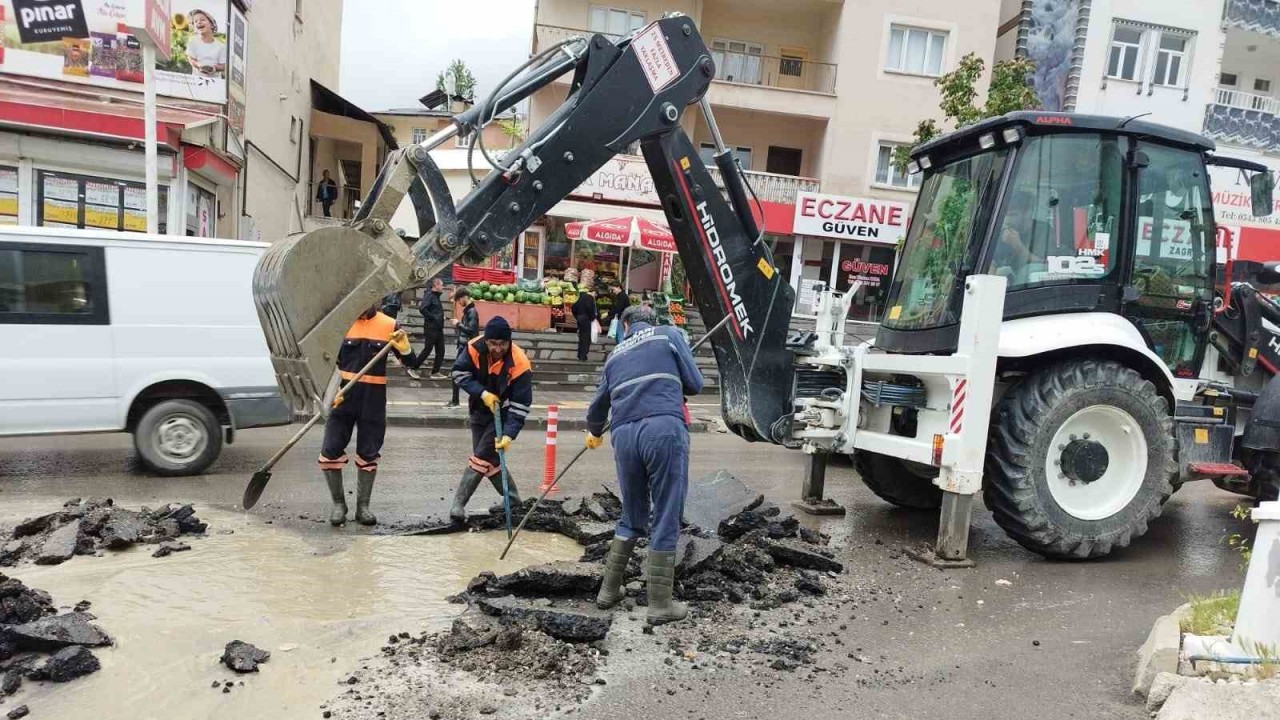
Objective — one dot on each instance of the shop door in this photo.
(530, 260)
(867, 269)
(783, 160)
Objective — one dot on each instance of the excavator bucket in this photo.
(309, 288)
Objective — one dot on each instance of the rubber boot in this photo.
(364, 491)
(615, 570)
(511, 484)
(466, 488)
(338, 515)
(662, 579)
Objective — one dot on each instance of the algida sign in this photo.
(49, 20)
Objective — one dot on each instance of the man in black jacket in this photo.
(620, 300)
(584, 313)
(432, 331)
(468, 329)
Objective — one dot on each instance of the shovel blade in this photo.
(309, 288)
(254, 489)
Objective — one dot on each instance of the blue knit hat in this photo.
(497, 329)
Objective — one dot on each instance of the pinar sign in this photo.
(851, 218)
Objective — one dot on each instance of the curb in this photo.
(1160, 652)
(461, 422)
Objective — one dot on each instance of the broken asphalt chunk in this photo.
(715, 497)
(57, 632)
(60, 545)
(70, 663)
(556, 578)
(580, 623)
(800, 555)
(243, 657)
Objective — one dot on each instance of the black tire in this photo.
(178, 421)
(1016, 488)
(900, 482)
(1264, 472)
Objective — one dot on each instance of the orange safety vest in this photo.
(365, 339)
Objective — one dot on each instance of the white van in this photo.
(103, 331)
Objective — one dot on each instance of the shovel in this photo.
(258, 483)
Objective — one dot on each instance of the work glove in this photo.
(594, 441)
(400, 342)
(503, 443)
(490, 400)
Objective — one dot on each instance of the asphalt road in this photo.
(1057, 642)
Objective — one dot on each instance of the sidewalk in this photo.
(424, 407)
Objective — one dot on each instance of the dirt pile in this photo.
(89, 527)
(38, 644)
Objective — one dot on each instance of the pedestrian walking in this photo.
(496, 374)
(363, 409)
(326, 192)
(619, 301)
(467, 327)
(432, 331)
(642, 391)
(584, 313)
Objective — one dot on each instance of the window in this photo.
(1228, 79)
(738, 61)
(915, 50)
(707, 152)
(791, 65)
(47, 284)
(8, 195)
(79, 201)
(614, 22)
(1060, 211)
(1262, 86)
(1170, 59)
(201, 212)
(888, 174)
(419, 135)
(1125, 43)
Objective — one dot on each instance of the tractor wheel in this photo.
(1081, 458)
(901, 482)
(1264, 471)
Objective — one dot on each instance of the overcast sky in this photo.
(393, 49)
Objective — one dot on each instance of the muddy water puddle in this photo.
(317, 601)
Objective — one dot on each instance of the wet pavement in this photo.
(1057, 641)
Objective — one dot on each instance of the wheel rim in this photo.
(180, 438)
(1116, 432)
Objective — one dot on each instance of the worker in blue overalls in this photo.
(642, 390)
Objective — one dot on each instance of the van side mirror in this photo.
(1261, 191)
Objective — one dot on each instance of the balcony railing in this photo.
(1243, 126)
(770, 187)
(1258, 15)
(784, 73)
(1248, 101)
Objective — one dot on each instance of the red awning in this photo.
(210, 163)
(47, 108)
(628, 231)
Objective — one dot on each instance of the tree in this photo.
(1007, 91)
(465, 82)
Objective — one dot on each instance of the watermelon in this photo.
(511, 297)
(474, 288)
(484, 286)
(520, 296)
(489, 295)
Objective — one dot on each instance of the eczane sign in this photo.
(850, 218)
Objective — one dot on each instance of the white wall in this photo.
(1181, 107)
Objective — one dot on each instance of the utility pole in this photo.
(149, 119)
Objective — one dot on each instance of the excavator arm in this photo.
(310, 287)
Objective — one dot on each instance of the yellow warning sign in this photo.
(684, 163)
(1202, 436)
(765, 268)
(1253, 353)
(895, 312)
(1217, 412)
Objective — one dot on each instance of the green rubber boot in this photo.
(496, 480)
(338, 515)
(364, 492)
(615, 570)
(466, 488)
(662, 579)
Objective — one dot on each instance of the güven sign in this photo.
(849, 218)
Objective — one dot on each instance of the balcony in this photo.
(770, 187)
(1242, 118)
(1262, 16)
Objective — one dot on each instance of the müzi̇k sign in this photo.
(49, 20)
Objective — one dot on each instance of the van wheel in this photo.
(1080, 459)
(900, 482)
(178, 437)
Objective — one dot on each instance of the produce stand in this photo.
(527, 310)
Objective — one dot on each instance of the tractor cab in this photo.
(1079, 214)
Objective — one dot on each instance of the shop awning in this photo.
(94, 114)
(629, 231)
(209, 163)
(579, 210)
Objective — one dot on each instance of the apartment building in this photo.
(1207, 66)
(812, 96)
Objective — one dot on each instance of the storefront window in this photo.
(866, 269)
(201, 211)
(783, 247)
(80, 201)
(558, 256)
(531, 269)
(8, 195)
